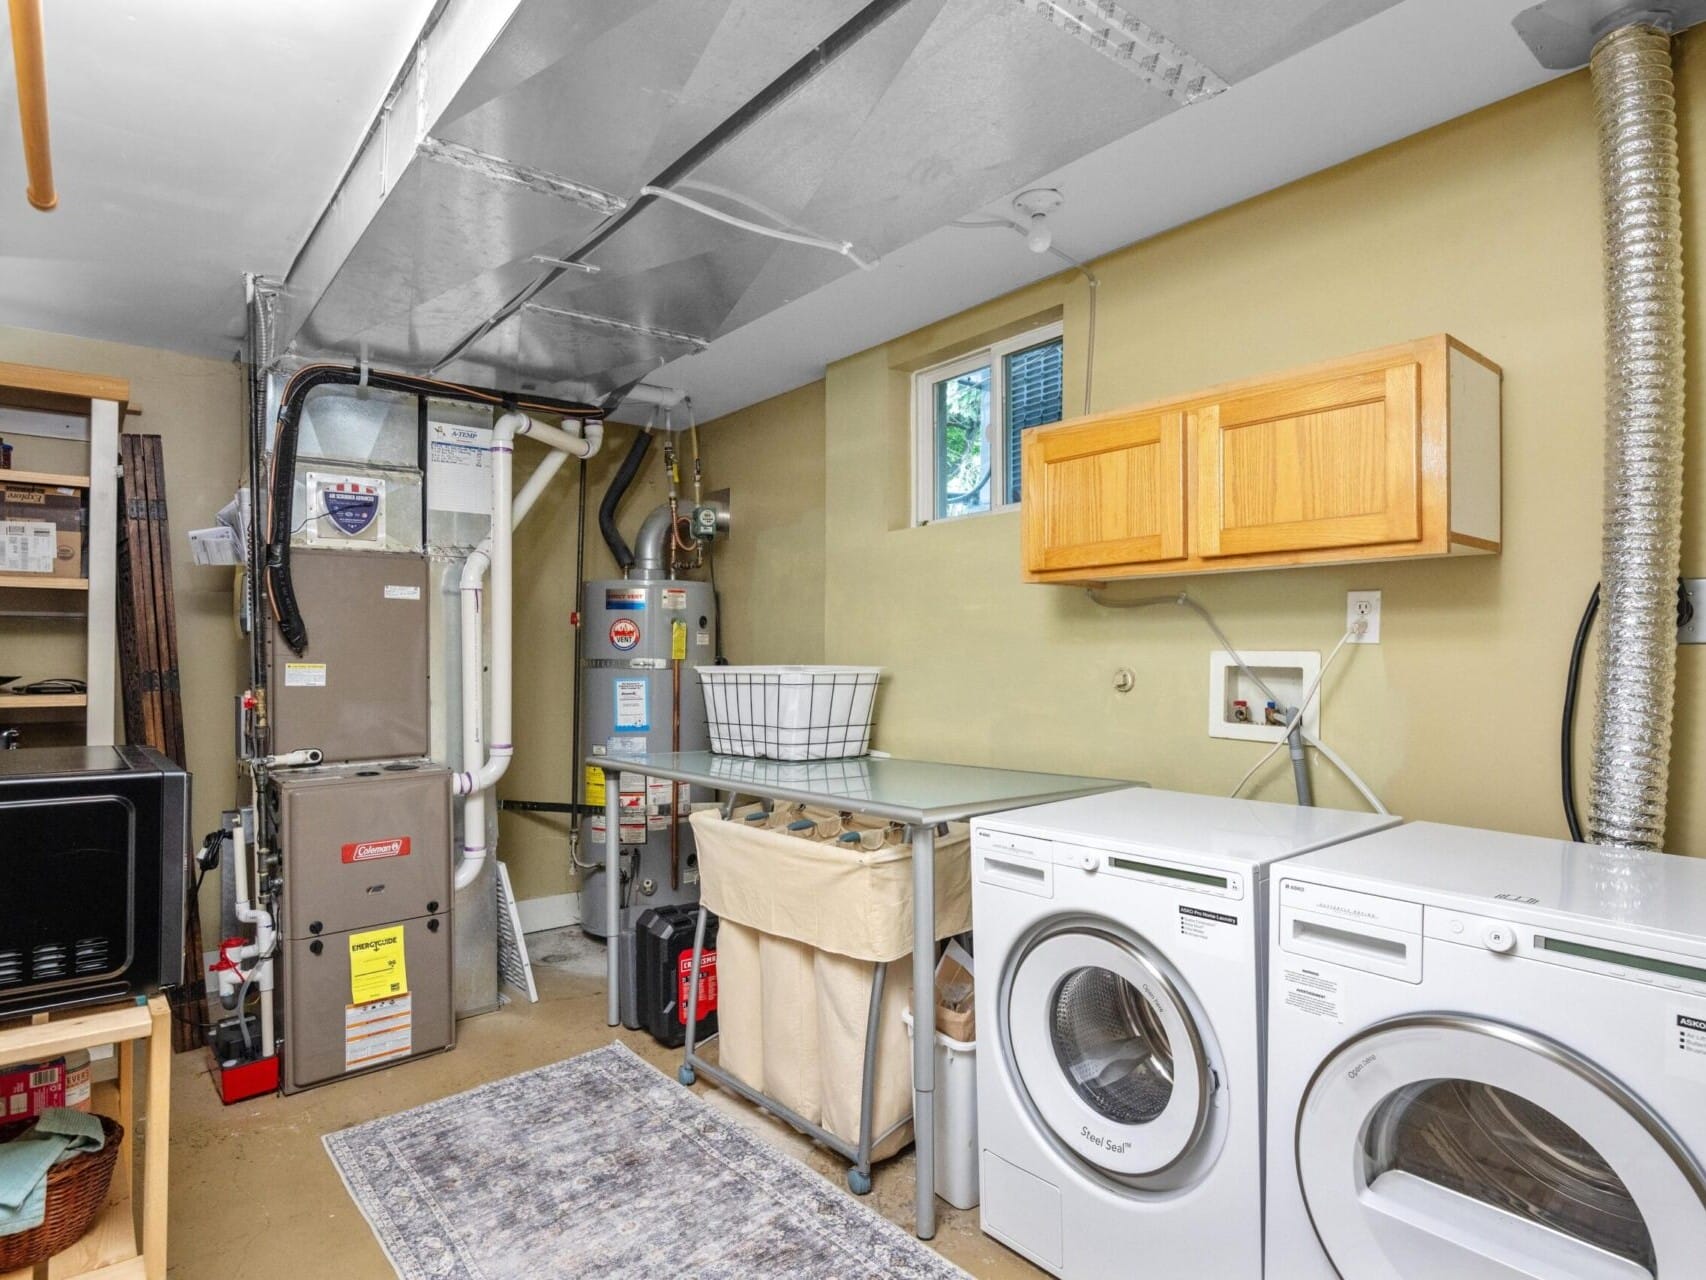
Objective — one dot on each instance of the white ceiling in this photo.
(195, 140)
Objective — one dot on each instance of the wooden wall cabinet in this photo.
(1387, 455)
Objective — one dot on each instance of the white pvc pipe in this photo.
(260, 950)
(483, 764)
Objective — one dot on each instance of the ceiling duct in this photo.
(496, 226)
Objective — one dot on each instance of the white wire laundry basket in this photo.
(790, 713)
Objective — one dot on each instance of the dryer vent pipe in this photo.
(1634, 99)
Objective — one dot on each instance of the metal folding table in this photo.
(919, 794)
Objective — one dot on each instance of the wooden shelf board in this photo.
(41, 701)
(44, 477)
(42, 582)
(30, 1041)
(33, 387)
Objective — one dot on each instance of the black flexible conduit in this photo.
(291, 624)
(1572, 694)
(613, 496)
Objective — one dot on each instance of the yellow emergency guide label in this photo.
(678, 640)
(305, 675)
(378, 969)
(594, 785)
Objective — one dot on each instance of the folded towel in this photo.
(58, 1135)
(82, 1131)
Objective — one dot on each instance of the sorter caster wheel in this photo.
(686, 1075)
(858, 1183)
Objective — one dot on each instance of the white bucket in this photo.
(956, 1118)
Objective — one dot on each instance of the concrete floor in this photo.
(253, 1190)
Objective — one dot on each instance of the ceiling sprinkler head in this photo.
(1035, 206)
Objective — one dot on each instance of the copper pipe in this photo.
(674, 745)
(32, 102)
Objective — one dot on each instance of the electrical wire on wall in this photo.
(1090, 279)
(1572, 695)
(1294, 729)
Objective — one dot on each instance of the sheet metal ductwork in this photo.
(1635, 101)
(495, 227)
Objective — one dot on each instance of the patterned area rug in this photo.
(602, 1166)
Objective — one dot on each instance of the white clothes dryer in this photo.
(1120, 942)
(1487, 1061)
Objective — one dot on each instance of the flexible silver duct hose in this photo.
(1641, 548)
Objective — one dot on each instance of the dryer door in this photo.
(1440, 1144)
(1108, 1052)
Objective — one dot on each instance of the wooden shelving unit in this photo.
(103, 400)
(42, 701)
(128, 1240)
(41, 582)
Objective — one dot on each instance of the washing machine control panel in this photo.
(1162, 870)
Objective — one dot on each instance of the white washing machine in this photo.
(1120, 942)
(1487, 1060)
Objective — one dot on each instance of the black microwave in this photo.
(93, 844)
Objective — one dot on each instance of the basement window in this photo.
(969, 416)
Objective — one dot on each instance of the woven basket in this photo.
(76, 1193)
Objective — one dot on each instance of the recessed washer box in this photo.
(1288, 673)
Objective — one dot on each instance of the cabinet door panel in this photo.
(1106, 493)
(1332, 463)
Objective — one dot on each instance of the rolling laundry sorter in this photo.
(920, 795)
(808, 926)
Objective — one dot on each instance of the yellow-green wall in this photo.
(1486, 228)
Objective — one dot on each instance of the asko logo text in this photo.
(369, 850)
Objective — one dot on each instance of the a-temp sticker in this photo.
(624, 633)
(378, 1031)
(305, 675)
(1314, 993)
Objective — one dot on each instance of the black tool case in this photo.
(664, 940)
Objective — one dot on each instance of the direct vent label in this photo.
(394, 592)
(1685, 1044)
(1314, 993)
(305, 675)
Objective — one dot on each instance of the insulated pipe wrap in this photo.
(1641, 549)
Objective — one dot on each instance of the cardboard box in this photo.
(23, 509)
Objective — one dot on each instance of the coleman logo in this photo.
(368, 850)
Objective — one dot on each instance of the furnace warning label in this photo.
(305, 675)
(377, 966)
(1313, 993)
(378, 1031)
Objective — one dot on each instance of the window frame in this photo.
(994, 355)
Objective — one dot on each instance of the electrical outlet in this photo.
(1364, 607)
(1695, 631)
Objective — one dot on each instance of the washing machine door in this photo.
(1108, 1052)
(1438, 1145)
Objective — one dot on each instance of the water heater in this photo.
(642, 644)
